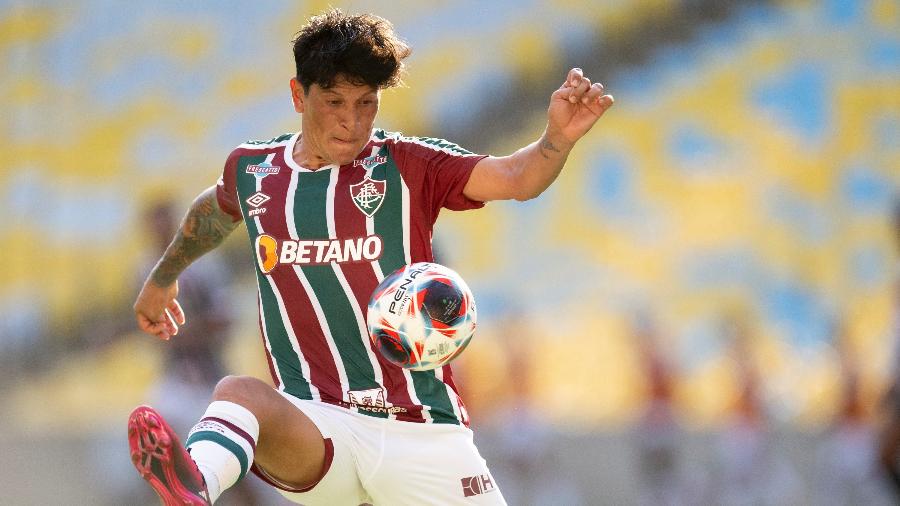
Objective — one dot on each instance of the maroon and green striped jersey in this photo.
(322, 241)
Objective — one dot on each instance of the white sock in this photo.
(222, 444)
(212, 482)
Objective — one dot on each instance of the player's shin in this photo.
(223, 444)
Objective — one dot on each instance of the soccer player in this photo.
(330, 210)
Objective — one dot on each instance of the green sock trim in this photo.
(219, 439)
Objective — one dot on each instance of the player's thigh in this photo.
(290, 447)
(339, 486)
(432, 465)
(339, 483)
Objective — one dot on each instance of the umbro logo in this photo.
(257, 199)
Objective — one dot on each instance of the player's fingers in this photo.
(177, 312)
(145, 323)
(562, 93)
(573, 94)
(171, 326)
(605, 102)
(599, 105)
(578, 91)
(574, 77)
(157, 329)
(162, 332)
(142, 321)
(591, 95)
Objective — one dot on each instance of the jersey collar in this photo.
(289, 157)
(289, 153)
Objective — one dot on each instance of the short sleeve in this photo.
(226, 189)
(445, 168)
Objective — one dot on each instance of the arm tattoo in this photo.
(546, 145)
(205, 227)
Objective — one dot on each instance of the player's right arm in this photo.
(205, 227)
(574, 109)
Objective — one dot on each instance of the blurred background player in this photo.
(889, 444)
(195, 362)
(531, 469)
(848, 471)
(657, 432)
(748, 466)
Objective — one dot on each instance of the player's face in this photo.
(337, 121)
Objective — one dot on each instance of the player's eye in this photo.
(334, 102)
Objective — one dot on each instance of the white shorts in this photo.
(393, 463)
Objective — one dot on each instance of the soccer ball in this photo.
(421, 316)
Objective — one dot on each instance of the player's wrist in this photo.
(554, 141)
(163, 275)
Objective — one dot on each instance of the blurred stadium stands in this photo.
(740, 191)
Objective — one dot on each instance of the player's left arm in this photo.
(525, 174)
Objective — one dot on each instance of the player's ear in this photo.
(297, 95)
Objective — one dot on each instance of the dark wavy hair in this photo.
(362, 48)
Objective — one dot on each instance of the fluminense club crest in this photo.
(368, 195)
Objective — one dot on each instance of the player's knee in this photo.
(243, 390)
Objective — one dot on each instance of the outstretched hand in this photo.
(158, 311)
(576, 106)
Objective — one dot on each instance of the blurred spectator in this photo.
(23, 325)
(194, 359)
(527, 466)
(889, 443)
(846, 457)
(658, 434)
(751, 469)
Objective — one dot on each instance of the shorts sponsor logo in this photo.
(368, 195)
(371, 400)
(270, 251)
(371, 397)
(476, 485)
(262, 170)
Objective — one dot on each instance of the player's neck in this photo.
(306, 156)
